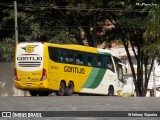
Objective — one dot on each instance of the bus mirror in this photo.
(124, 66)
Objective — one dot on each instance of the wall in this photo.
(7, 81)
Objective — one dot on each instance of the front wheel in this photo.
(62, 89)
(111, 91)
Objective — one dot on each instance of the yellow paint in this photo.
(31, 80)
(30, 48)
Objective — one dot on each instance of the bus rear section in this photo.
(30, 73)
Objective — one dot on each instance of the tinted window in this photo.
(118, 68)
(109, 63)
(53, 54)
(80, 58)
(99, 61)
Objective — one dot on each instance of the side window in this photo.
(60, 55)
(120, 72)
(90, 60)
(99, 61)
(109, 63)
(66, 56)
(79, 58)
(118, 68)
(53, 53)
(71, 57)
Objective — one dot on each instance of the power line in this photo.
(123, 26)
(20, 28)
(72, 8)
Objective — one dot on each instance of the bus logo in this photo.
(29, 48)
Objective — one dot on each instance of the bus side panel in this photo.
(94, 80)
(78, 78)
(67, 72)
(53, 75)
(98, 84)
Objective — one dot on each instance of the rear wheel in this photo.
(62, 89)
(70, 89)
(33, 93)
(110, 91)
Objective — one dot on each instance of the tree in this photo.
(152, 35)
(69, 21)
(131, 28)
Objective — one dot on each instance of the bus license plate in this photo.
(28, 84)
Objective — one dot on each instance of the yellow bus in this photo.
(43, 68)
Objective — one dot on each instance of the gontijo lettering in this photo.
(74, 69)
(29, 58)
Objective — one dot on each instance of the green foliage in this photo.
(7, 50)
(63, 38)
(152, 34)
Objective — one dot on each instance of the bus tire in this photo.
(70, 89)
(111, 91)
(62, 89)
(33, 93)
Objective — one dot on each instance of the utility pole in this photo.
(16, 24)
(154, 78)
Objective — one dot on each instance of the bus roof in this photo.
(81, 48)
(75, 47)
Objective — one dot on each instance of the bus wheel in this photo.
(62, 89)
(70, 89)
(110, 91)
(33, 93)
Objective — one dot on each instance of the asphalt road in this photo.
(81, 103)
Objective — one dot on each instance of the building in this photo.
(130, 88)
